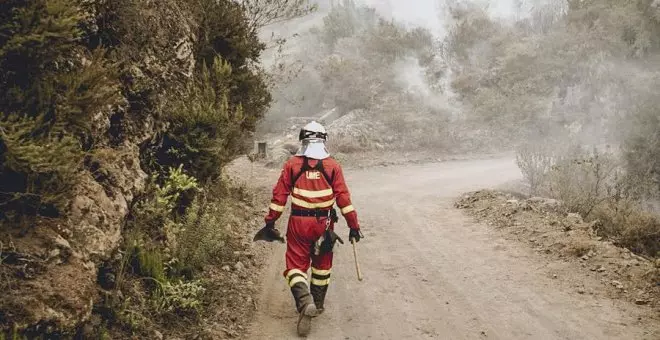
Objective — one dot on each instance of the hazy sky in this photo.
(424, 13)
(427, 13)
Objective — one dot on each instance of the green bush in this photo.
(37, 174)
(50, 89)
(180, 297)
(150, 273)
(212, 117)
(150, 264)
(206, 131)
(203, 233)
(158, 209)
(36, 37)
(224, 35)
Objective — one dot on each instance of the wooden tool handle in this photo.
(357, 264)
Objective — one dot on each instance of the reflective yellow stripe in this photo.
(295, 271)
(347, 209)
(320, 271)
(320, 282)
(308, 205)
(275, 207)
(312, 194)
(296, 280)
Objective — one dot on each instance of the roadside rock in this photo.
(544, 201)
(61, 242)
(574, 218)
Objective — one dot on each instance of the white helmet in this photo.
(313, 130)
(313, 137)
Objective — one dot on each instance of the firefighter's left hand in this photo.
(355, 234)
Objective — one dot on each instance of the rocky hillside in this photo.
(116, 118)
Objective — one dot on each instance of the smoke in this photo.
(309, 80)
(432, 15)
(493, 75)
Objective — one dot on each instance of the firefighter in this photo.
(315, 183)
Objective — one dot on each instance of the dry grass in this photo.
(592, 185)
(629, 225)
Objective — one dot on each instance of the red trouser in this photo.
(301, 234)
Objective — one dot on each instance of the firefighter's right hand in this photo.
(275, 235)
(354, 234)
(269, 234)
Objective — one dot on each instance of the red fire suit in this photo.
(312, 186)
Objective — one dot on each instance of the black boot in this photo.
(305, 306)
(318, 293)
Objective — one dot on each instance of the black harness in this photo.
(306, 167)
(318, 213)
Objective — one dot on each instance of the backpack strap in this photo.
(306, 167)
(319, 167)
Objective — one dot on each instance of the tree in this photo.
(262, 13)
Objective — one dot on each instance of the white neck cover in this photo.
(313, 148)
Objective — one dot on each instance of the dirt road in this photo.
(432, 273)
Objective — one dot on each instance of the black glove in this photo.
(269, 234)
(275, 235)
(355, 234)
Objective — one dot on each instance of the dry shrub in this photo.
(409, 125)
(534, 161)
(629, 225)
(592, 185)
(641, 148)
(582, 181)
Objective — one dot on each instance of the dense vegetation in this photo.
(138, 104)
(64, 78)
